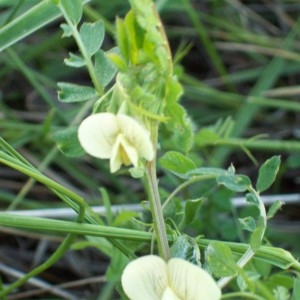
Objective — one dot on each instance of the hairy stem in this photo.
(156, 209)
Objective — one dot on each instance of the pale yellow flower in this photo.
(151, 278)
(119, 138)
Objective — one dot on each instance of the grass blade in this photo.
(30, 21)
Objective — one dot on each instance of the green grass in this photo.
(240, 76)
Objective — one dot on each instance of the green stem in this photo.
(244, 295)
(272, 255)
(156, 209)
(87, 58)
(30, 171)
(23, 166)
(250, 252)
(184, 185)
(260, 144)
(56, 226)
(30, 182)
(262, 211)
(76, 202)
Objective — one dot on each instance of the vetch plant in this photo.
(151, 278)
(119, 138)
(130, 114)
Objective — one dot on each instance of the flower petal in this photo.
(97, 134)
(115, 159)
(169, 295)
(137, 136)
(122, 153)
(130, 155)
(145, 278)
(190, 282)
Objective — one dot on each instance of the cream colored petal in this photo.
(122, 153)
(137, 136)
(115, 159)
(145, 278)
(97, 134)
(169, 295)
(190, 282)
(130, 151)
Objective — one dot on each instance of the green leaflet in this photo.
(206, 136)
(75, 61)
(267, 173)
(296, 293)
(70, 92)
(186, 248)
(73, 9)
(207, 171)
(67, 142)
(236, 183)
(191, 211)
(104, 68)
(274, 208)
(177, 163)
(220, 259)
(248, 223)
(257, 235)
(148, 19)
(92, 36)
